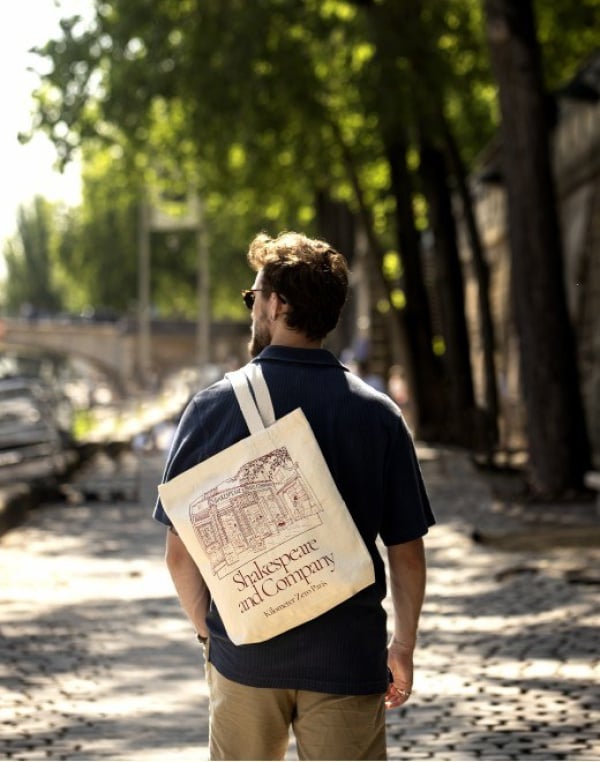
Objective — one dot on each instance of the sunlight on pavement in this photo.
(99, 662)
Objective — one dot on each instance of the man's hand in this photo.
(400, 664)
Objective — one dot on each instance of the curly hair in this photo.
(308, 274)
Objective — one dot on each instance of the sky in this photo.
(27, 171)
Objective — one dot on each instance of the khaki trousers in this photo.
(253, 723)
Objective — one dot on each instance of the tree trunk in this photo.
(457, 357)
(558, 445)
(336, 224)
(489, 434)
(427, 370)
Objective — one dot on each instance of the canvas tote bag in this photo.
(265, 523)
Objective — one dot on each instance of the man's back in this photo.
(371, 458)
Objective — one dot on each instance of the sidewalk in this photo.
(98, 662)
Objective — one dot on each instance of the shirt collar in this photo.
(280, 353)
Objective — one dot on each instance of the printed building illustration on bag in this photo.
(266, 503)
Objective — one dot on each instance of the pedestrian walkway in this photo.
(98, 662)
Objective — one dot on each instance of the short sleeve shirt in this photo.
(372, 459)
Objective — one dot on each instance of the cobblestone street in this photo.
(98, 662)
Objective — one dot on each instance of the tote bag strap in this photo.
(257, 414)
(254, 374)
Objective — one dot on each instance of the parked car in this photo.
(32, 444)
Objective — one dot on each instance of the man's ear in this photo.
(275, 306)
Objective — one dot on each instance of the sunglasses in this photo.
(248, 296)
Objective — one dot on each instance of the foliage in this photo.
(305, 67)
(100, 246)
(568, 35)
(31, 276)
(258, 107)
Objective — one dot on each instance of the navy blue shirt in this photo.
(371, 457)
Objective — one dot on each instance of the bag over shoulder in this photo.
(265, 523)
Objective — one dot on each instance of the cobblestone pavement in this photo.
(97, 661)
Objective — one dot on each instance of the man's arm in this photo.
(192, 591)
(407, 587)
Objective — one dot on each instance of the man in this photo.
(331, 678)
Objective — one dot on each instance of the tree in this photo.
(98, 252)
(459, 380)
(30, 281)
(558, 445)
(299, 125)
(488, 432)
(415, 81)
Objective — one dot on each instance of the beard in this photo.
(261, 336)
